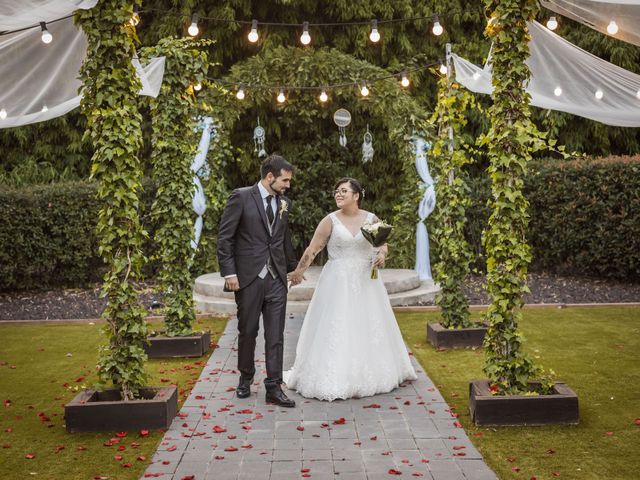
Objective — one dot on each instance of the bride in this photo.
(350, 344)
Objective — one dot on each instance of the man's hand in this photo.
(295, 277)
(232, 284)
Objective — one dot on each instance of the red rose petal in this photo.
(30, 456)
(144, 433)
(300, 428)
(393, 471)
(231, 449)
(171, 448)
(340, 421)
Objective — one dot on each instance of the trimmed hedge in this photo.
(585, 220)
(585, 216)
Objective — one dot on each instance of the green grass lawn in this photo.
(41, 368)
(596, 351)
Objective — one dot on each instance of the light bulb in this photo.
(305, 38)
(281, 98)
(135, 18)
(374, 36)
(476, 75)
(557, 91)
(404, 81)
(197, 87)
(364, 91)
(323, 96)
(599, 94)
(443, 69)
(240, 93)
(437, 28)
(44, 109)
(46, 35)
(253, 34)
(612, 28)
(552, 23)
(193, 28)
(3, 114)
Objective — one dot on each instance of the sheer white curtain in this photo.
(426, 206)
(199, 199)
(40, 81)
(599, 15)
(568, 79)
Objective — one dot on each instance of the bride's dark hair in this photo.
(355, 186)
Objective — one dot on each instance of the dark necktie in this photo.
(270, 215)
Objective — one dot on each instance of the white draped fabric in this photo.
(40, 81)
(427, 204)
(599, 14)
(568, 79)
(199, 199)
(17, 14)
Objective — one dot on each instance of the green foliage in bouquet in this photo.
(511, 140)
(449, 218)
(175, 138)
(110, 103)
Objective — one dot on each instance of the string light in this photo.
(552, 23)
(404, 81)
(197, 87)
(476, 75)
(3, 114)
(193, 28)
(374, 36)
(443, 69)
(599, 94)
(135, 18)
(305, 38)
(612, 28)
(240, 93)
(364, 91)
(46, 35)
(323, 96)
(253, 34)
(281, 98)
(437, 28)
(557, 91)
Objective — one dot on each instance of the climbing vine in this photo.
(175, 138)
(452, 191)
(110, 103)
(511, 140)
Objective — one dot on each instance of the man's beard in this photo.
(280, 191)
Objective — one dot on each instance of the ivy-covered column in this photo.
(175, 141)
(114, 125)
(449, 218)
(511, 140)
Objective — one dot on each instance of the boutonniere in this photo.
(284, 207)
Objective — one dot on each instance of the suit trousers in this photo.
(266, 296)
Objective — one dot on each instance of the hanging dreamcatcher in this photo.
(258, 140)
(342, 118)
(367, 146)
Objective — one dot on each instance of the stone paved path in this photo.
(219, 437)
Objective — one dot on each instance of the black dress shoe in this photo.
(278, 397)
(244, 390)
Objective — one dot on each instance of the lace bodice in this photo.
(345, 246)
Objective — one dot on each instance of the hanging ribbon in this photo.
(427, 204)
(199, 201)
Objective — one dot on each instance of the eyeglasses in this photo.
(342, 191)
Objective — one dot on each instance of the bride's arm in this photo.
(318, 242)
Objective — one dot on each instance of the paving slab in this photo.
(217, 436)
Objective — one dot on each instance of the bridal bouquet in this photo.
(376, 234)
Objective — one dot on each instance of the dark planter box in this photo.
(558, 408)
(194, 345)
(441, 337)
(94, 411)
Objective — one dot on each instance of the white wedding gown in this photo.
(350, 344)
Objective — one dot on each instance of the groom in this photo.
(255, 253)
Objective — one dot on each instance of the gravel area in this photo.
(62, 304)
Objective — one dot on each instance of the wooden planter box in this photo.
(558, 408)
(441, 337)
(100, 411)
(195, 345)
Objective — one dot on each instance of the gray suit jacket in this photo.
(244, 240)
